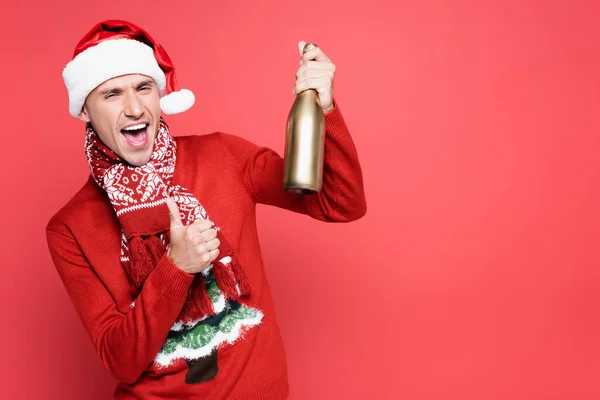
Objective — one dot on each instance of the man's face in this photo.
(125, 113)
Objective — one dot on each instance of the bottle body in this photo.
(304, 145)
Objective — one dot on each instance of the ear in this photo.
(84, 115)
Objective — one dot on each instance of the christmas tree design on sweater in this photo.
(198, 341)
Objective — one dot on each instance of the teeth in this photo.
(135, 127)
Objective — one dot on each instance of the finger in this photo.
(200, 226)
(214, 254)
(208, 234)
(213, 244)
(174, 216)
(301, 45)
(312, 66)
(197, 240)
(206, 257)
(314, 73)
(321, 85)
(202, 249)
(315, 54)
(326, 76)
(329, 66)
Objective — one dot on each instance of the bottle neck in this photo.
(310, 93)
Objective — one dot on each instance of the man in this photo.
(158, 250)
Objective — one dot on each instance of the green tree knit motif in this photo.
(203, 337)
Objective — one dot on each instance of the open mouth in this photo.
(136, 135)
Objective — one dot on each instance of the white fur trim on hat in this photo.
(106, 60)
(177, 102)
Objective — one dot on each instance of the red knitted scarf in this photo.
(138, 196)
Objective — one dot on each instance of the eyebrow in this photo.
(116, 90)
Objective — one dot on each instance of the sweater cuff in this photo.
(334, 122)
(170, 281)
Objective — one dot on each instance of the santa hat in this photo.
(115, 48)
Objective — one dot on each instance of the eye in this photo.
(145, 88)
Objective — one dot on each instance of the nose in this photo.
(133, 106)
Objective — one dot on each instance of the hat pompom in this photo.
(177, 102)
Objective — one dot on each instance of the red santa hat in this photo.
(115, 48)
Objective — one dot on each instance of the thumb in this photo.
(173, 213)
(301, 45)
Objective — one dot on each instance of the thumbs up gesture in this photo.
(193, 247)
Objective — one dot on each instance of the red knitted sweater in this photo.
(137, 338)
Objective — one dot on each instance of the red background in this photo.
(474, 274)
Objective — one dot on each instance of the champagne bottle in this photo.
(304, 144)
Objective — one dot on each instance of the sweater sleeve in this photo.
(125, 343)
(342, 198)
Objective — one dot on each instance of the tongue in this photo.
(135, 137)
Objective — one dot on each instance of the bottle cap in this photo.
(308, 47)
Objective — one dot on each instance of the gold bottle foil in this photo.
(304, 144)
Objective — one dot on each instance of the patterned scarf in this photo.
(138, 196)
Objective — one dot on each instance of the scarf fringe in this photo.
(230, 277)
(198, 303)
(155, 248)
(240, 276)
(225, 280)
(232, 282)
(141, 263)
